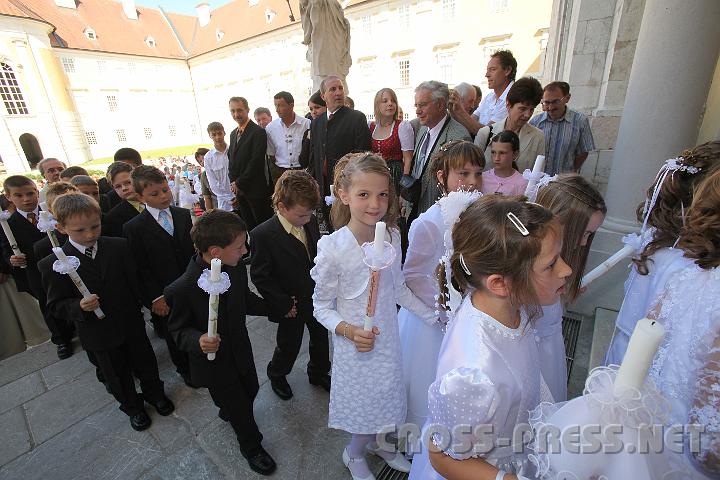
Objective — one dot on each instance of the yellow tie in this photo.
(138, 206)
(300, 235)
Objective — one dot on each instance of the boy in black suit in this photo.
(283, 249)
(118, 341)
(126, 155)
(118, 174)
(231, 378)
(159, 238)
(23, 193)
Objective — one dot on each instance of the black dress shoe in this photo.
(64, 350)
(262, 462)
(163, 406)
(140, 421)
(322, 381)
(281, 387)
(188, 381)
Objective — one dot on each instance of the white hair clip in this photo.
(464, 266)
(670, 166)
(518, 224)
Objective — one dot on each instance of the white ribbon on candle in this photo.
(68, 266)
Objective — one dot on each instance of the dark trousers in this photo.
(118, 365)
(178, 357)
(289, 338)
(236, 403)
(261, 209)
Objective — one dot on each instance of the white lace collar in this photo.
(484, 320)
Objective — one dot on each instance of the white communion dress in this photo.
(552, 350)
(366, 393)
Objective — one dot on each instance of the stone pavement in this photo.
(57, 422)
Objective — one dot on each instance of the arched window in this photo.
(10, 92)
(31, 149)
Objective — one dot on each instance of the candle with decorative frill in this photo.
(214, 302)
(377, 255)
(68, 266)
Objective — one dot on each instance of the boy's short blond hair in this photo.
(74, 204)
(296, 187)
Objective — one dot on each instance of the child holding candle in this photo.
(581, 210)
(507, 260)
(366, 367)
(503, 177)
(231, 377)
(458, 166)
(663, 215)
(43, 247)
(23, 193)
(159, 239)
(118, 341)
(283, 250)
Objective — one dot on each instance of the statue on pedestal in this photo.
(327, 36)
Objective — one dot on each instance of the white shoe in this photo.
(398, 462)
(347, 460)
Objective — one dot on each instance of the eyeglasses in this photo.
(549, 103)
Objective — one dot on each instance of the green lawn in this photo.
(160, 152)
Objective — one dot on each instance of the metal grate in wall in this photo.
(571, 332)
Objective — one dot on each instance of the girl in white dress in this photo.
(663, 215)
(507, 260)
(366, 394)
(459, 165)
(581, 210)
(686, 369)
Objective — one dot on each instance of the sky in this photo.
(180, 6)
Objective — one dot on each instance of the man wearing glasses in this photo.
(285, 135)
(568, 137)
(50, 168)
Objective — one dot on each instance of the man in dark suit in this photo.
(337, 132)
(231, 377)
(23, 193)
(118, 340)
(248, 170)
(159, 238)
(283, 249)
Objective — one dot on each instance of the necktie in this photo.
(418, 167)
(164, 220)
(89, 252)
(330, 116)
(32, 218)
(298, 233)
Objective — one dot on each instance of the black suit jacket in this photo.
(346, 132)
(280, 267)
(246, 158)
(112, 276)
(160, 258)
(26, 234)
(114, 220)
(189, 318)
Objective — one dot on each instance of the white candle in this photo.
(215, 267)
(10, 237)
(82, 288)
(332, 190)
(213, 302)
(43, 206)
(643, 346)
(539, 164)
(605, 266)
(379, 243)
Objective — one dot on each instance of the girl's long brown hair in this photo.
(700, 238)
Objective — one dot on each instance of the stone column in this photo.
(676, 54)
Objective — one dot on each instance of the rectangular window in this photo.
(404, 70)
(193, 129)
(122, 138)
(90, 137)
(366, 21)
(10, 92)
(131, 67)
(499, 6)
(404, 16)
(102, 65)
(68, 64)
(148, 133)
(448, 9)
(445, 61)
(172, 130)
(112, 103)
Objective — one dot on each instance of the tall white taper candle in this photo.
(605, 266)
(10, 237)
(643, 346)
(214, 302)
(539, 165)
(379, 243)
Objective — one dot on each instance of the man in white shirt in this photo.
(500, 74)
(285, 136)
(216, 167)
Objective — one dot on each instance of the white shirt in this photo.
(492, 108)
(81, 248)
(216, 167)
(156, 213)
(285, 143)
